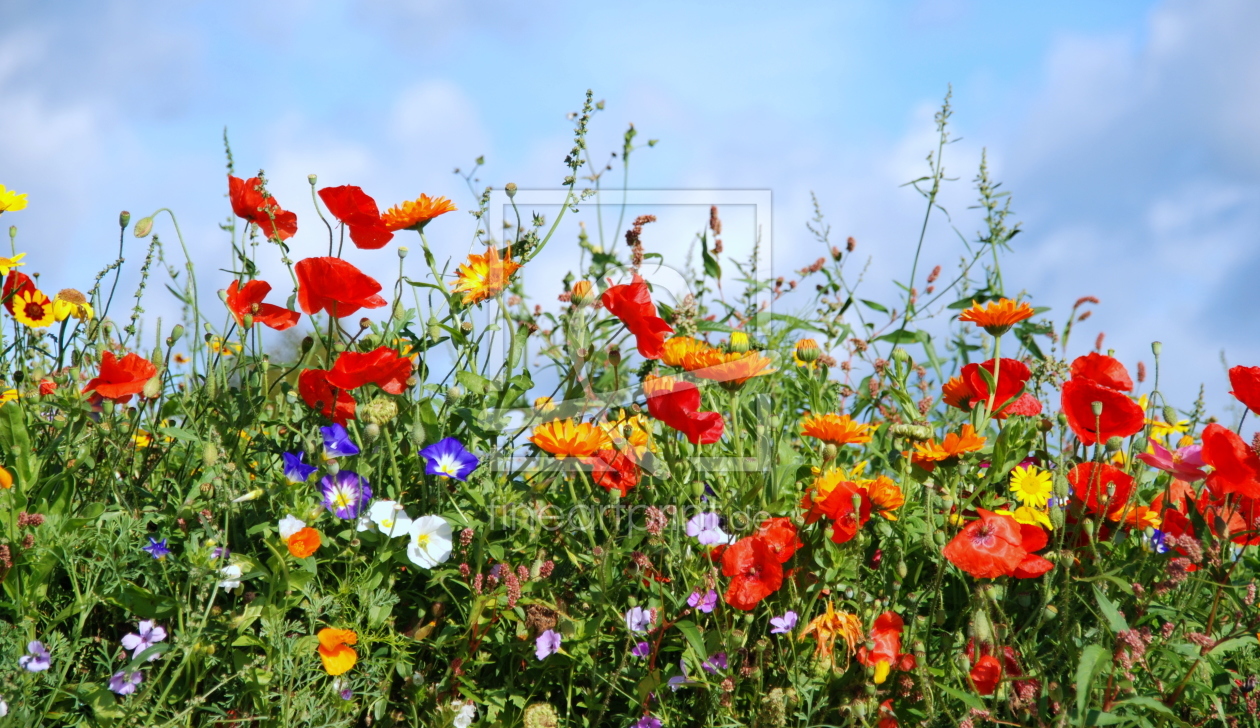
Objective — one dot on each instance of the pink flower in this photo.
(1186, 463)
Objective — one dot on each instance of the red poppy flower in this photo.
(1246, 384)
(885, 637)
(1120, 416)
(1102, 369)
(887, 717)
(780, 535)
(382, 366)
(1012, 375)
(47, 387)
(632, 304)
(998, 546)
(986, 674)
(677, 404)
(1236, 468)
(754, 570)
(248, 299)
(250, 203)
(1091, 483)
(120, 378)
(15, 284)
(612, 469)
(333, 285)
(333, 403)
(849, 508)
(358, 211)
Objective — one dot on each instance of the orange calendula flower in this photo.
(544, 405)
(304, 543)
(830, 625)
(335, 650)
(685, 352)
(957, 393)
(836, 429)
(733, 369)
(33, 309)
(414, 215)
(955, 444)
(886, 497)
(1139, 516)
(485, 276)
(567, 439)
(629, 432)
(6, 478)
(997, 317)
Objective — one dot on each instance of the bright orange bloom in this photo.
(567, 439)
(303, 543)
(415, 215)
(684, 352)
(886, 496)
(829, 625)
(335, 650)
(997, 317)
(954, 445)
(836, 429)
(957, 393)
(485, 276)
(733, 369)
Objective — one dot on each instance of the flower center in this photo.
(422, 540)
(33, 310)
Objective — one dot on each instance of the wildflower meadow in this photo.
(328, 499)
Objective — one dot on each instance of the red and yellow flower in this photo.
(485, 276)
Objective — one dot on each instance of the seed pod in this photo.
(153, 387)
(143, 227)
(209, 454)
(372, 430)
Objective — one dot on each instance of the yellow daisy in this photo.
(8, 264)
(33, 309)
(1030, 486)
(11, 201)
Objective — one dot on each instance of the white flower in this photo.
(390, 518)
(4, 708)
(429, 541)
(289, 526)
(465, 713)
(231, 577)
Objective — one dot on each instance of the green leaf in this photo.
(1142, 701)
(971, 700)
(474, 383)
(1230, 645)
(711, 267)
(14, 438)
(875, 306)
(901, 337)
(692, 633)
(1114, 618)
(1093, 660)
(179, 433)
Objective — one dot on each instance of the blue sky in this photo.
(1125, 129)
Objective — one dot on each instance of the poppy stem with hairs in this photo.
(315, 199)
(192, 282)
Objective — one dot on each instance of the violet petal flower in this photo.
(125, 684)
(647, 721)
(548, 643)
(337, 442)
(1185, 463)
(639, 620)
(642, 649)
(157, 549)
(147, 634)
(682, 680)
(449, 459)
(714, 663)
(38, 660)
(345, 494)
(705, 603)
(707, 529)
(784, 624)
(296, 471)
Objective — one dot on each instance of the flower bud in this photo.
(453, 394)
(313, 179)
(403, 250)
(124, 219)
(209, 454)
(247, 321)
(510, 189)
(153, 387)
(1114, 444)
(1157, 348)
(177, 333)
(829, 452)
(372, 430)
(807, 350)
(1097, 408)
(1050, 612)
(900, 355)
(307, 343)
(614, 355)
(379, 411)
(333, 467)
(254, 494)
(739, 342)
(143, 227)
(582, 294)
(1170, 414)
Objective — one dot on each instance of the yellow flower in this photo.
(335, 650)
(633, 431)
(142, 438)
(415, 215)
(8, 395)
(836, 429)
(683, 352)
(1031, 486)
(544, 405)
(33, 309)
(69, 302)
(565, 438)
(828, 626)
(226, 348)
(11, 201)
(1030, 516)
(997, 317)
(953, 446)
(484, 276)
(733, 369)
(8, 264)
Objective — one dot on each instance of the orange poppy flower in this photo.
(836, 429)
(612, 469)
(1102, 369)
(357, 209)
(632, 304)
(569, 439)
(986, 674)
(997, 545)
(829, 625)
(1246, 386)
(885, 651)
(1120, 416)
(955, 444)
(485, 276)
(780, 535)
(755, 570)
(677, 404)
(997, 317)
(335, 650)
(733, 369)
(414, 215)
(303, 543)
(382, 366)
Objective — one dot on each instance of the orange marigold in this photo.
(836, 429)
(485, 276)
(957, 393)
(955, 444)
(685, 352)
(567, 439)
(335, 650)
(829, 625)
(733, 369)
(414, 215)
(886, 496)
(997, 317)
(303, 543)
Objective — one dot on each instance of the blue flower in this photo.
(296, 471)
(345, 494)
(157, 549)
(449, 459)
(548, 643)
(1157, 542)
(337, 442)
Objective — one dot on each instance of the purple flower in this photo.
(38, 660)
(149, 634)
(704, 603)
(337, 442)
(343, 688)
(642, 649)
(157, 549)
(639, 619)
(715, 663)
(1157, 542)
(682, 680)
(647, 721)
(345, 494)
(449, 459)
(125, 684)
(784, 624)
(296, 471)
(707, 528)
(548, 643)
(220, 552)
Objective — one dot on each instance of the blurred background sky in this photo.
(1126, 130)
